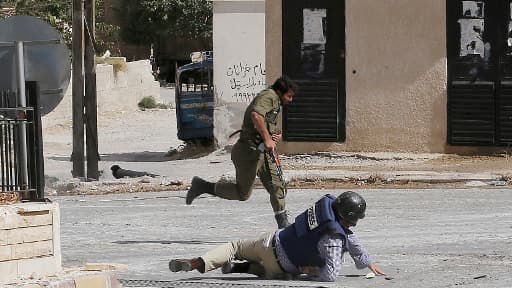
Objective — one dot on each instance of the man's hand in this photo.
(376, 270)
(270, 145)
(276, 137)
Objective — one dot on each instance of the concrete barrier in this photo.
(29, 240)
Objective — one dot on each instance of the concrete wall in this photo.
(29, 240)
(239, 61)
(120, 90)
(396, 75)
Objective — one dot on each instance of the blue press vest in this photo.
(300, 240)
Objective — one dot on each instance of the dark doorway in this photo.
(314, 57)
(479, 39)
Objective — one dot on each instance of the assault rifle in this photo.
(274, 157)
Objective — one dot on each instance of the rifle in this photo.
(274, 157)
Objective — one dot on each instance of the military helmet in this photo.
(350, 206)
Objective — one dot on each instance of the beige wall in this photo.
(395, 75)
(117, 91)
(239, 61)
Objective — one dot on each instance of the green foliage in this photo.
(144, 21)
(58, 13)
(149, 102)
(55, 12)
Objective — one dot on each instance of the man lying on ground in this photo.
(312, 248)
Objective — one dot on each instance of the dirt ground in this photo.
(147, 141)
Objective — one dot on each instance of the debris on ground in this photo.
(124, 185)
(9, 198)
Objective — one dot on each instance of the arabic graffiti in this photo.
(246, 80)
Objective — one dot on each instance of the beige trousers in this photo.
(256, 251)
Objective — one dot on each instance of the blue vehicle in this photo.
(195, 99)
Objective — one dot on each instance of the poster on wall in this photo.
(509, 39)
(314, 25)
(471, 32)
(313, 44)
(473, 9)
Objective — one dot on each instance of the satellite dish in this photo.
(47, 58)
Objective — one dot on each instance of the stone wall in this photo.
(29, 240)
(120, 90)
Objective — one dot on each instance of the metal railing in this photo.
(21, 173)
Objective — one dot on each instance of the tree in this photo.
(58, 13)
(144, 21)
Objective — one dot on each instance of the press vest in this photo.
(300, 240)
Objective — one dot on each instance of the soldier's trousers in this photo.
(250, 163)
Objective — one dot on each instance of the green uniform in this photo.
(249, 161)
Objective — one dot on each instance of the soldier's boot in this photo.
(282, 219)
(199, 186)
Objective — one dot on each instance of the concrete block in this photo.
(26, 215)
(29, 234)
(92, 281)
(113, 282)
(8, 269)
(32, 285)
(30, 250)
(57, 256)
(38, 266)
(3, 237)
(14, 220)
(5, 253)
(69, 283)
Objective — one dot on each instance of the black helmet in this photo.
(350, 206)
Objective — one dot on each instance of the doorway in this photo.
(479, 43)
(314, 57)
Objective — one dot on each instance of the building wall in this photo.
(29, 241)
(395, 75)
(117, 91)
(239, 61)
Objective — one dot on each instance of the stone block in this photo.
(92, 281)
(13, 216)
(42, 266)
(8, 269)
(5, 252)
(68, 283)
(29, 234)
(30, 250)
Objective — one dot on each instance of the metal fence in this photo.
(21, 160)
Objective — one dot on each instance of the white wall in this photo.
(117, 91)
(239, 61)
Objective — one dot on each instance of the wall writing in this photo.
(246, 80)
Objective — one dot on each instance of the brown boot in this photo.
(177, 265)
(199, 186)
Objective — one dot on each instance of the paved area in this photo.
(141, 140)
(425, 238)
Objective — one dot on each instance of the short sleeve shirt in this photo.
(268, 104)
